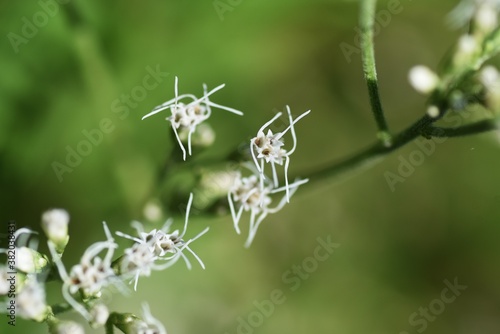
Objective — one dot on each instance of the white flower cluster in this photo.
(30, 300)
(83, 285)
(253, 193)
(248, 194)
(29, 293)
(188, 111)
(482, 16)
(157, 249)
(91, 275)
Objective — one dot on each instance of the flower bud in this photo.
(152, 211)
(433, 111)
(489, 77)
(55, 225)
(422, 79)
(467, 46)
(29, 260)
(30, 301)
(131, 324)
(486, 18)
(205, 136)
(99, 314)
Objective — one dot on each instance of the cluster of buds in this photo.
(88, 277)
(254, 193)
(83, 285)
(188, 112)
(482, 14)
(19, 278)
(482, 17)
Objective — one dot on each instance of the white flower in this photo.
(30, 301)
(152, 248)
(90, 275)
(55, 225)
(422, 79)
(268, 148)
(248, 195)
(188, 111)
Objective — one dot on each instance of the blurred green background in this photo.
(397, 247)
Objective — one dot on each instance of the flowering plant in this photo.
(256, 184)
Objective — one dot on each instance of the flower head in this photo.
(188, 111)
(90, 275)
(30, 301)
(157, 249)
(268, 147)
(247, 195)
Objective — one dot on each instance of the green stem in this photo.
(372, 155)
(60, 308)
(451, 80)
(466, 130)
(369, 156)
(367, 19)
(109, 327)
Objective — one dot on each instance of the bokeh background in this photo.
(396, 247)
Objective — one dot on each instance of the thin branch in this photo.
(367, 19)
(466, 130)
(368, 157)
